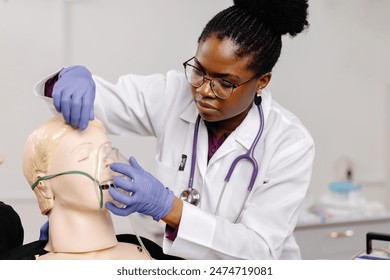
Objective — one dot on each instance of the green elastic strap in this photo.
(47, 177)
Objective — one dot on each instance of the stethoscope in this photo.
(192, 195)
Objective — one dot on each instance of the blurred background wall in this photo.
(334, 77)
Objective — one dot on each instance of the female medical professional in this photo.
(233, 166)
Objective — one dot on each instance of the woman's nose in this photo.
(205, 89)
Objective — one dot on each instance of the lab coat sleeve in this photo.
(135, 104)
(138, 104)
(39, 90)
(129, 100)
(265, 230)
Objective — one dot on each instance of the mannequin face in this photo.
(1, 159)
(78, 150)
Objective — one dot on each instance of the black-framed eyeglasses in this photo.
(220, 87)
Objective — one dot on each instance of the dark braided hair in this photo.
(257, 26)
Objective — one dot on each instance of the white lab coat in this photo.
(162, 106)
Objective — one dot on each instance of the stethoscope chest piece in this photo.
(190, 195)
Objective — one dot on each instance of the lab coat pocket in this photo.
(169, 175)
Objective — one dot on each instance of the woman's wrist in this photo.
(172, 219)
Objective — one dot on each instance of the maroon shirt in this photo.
(49, 86)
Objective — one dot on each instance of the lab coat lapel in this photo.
(202, 149)
(190, 114)
(228, 146)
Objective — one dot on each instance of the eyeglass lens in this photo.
(196, 78)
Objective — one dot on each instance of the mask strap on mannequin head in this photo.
(47, 177)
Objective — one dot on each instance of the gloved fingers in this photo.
(75, 111)
(56, 95)
(119, 211)
(124, 169)
(66, 106)
(121, 197)
(126, 184)
(133, 162)
(74, 94)
(87, 105)
(91, 114)
(86, 112)
(62, 99)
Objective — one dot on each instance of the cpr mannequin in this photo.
(80, 226)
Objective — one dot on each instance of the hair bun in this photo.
(281, 16)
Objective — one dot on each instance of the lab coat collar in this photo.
(190, 113)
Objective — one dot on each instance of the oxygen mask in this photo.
(103, 174)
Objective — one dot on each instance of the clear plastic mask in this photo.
(104, 175)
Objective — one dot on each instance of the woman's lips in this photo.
(205, 105)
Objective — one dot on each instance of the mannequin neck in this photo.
(73, 231)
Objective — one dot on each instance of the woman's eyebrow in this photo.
(218, 75)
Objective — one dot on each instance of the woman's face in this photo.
(78, 151)
(216, 58)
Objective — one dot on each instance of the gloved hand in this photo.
(44, 232)
(74, 95)
(149, 196)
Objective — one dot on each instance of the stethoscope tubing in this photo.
(193, 160)
(249, 155)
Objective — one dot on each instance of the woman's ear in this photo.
(44, 195)
(264, 80)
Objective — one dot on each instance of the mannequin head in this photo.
(57, 147)
(1, 159)
(68, 169)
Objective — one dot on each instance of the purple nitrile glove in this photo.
(148, 195)
(74, 95)
(44, 231)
